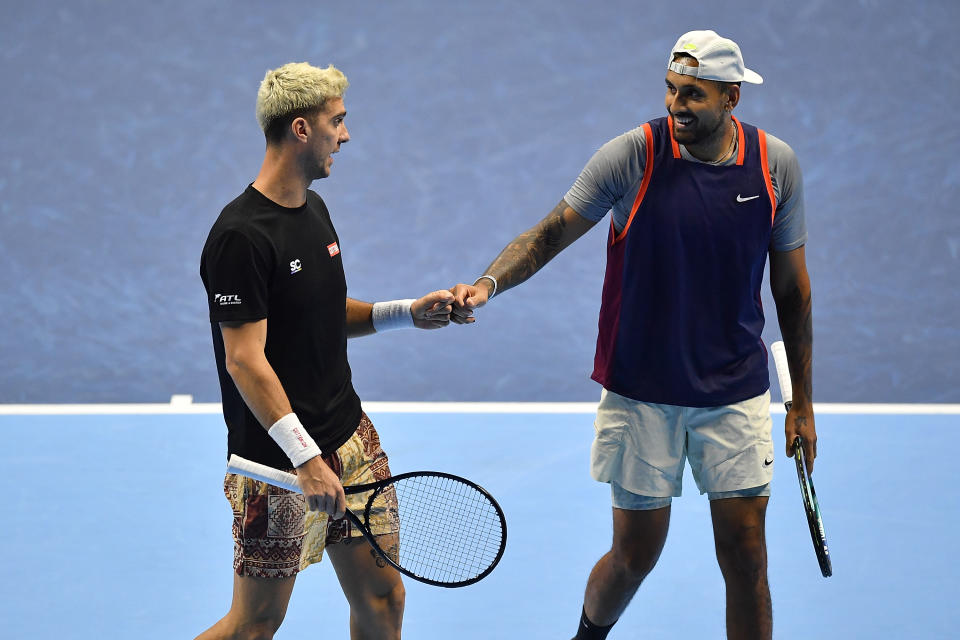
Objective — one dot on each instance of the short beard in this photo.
(697, 136)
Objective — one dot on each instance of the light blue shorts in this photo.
(623, 499)
(641, 449)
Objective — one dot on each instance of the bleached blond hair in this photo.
(296, 89)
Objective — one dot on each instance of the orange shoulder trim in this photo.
(765, 167)
(741, 149)
(673, 142)
(647, 172)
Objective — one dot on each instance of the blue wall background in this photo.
(127, 127)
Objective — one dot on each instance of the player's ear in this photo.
(300, 128)
(732, 94)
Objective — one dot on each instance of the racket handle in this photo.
(783, 373)
(262, 472)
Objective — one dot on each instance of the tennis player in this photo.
(280, 316)
(699, 200)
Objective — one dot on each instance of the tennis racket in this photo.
(452, 532)
(807, 492)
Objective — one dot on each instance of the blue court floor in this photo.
(115, 526)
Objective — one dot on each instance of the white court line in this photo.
(180, 405)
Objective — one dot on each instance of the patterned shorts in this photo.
(274, 534)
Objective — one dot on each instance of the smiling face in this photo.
(699, 108)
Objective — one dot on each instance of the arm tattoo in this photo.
(530, 251)
(796, 326)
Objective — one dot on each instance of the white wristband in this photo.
(491, 279)
(294, 439)
(393, 314)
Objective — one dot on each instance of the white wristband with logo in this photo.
(393, 314)
(294, 439)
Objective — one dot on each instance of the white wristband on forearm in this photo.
(491, 279)
(294, 439)
(393, 314)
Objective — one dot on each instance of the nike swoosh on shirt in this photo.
(742, 199)
(767, 463)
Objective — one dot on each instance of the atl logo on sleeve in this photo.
(224, 300)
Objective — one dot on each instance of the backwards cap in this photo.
(719, 58)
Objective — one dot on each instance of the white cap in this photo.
(719, 58)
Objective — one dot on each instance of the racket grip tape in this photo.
(262, 472)
(783, 372)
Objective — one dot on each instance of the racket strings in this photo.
(449, 531)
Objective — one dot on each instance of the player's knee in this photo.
(262, 628)
(743, 556)
(634, 563)
(394, 600)
(387, 605)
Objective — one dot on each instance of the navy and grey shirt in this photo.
(681, 316)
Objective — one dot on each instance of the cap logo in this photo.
(689, 46)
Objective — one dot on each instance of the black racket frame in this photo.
(812, 508)
(378, 487)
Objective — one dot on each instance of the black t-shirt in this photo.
(262, 260)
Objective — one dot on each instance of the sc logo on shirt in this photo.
(295, 266)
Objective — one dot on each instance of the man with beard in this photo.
(698, 200)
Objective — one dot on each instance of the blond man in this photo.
(280, 319)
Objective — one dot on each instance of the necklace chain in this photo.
(729, 151)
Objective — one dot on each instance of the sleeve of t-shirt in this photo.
(789, 222)
(237, 275)
(609, 174)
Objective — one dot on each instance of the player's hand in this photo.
(800, 422)
(432, 311)
(466, 298)
(321, 487)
